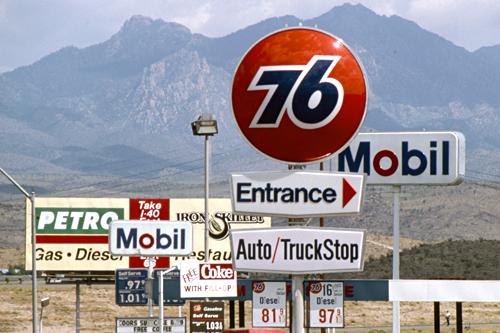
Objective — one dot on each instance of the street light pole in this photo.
(206, 126)
(33, 244)
(207, 218)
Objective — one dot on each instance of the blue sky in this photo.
(31, 29)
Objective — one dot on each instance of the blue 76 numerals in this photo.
(311, 97)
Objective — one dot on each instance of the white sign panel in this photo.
(405, 158)
(297, 193)
(298, 250)
(326, 304)
(151, 324)
(268, 304)
(211, 279)
(150, 238)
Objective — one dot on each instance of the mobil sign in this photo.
(158, 238)
(405, 158)
(297, 193)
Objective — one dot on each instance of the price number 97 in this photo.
(135, 284)
(329, 315)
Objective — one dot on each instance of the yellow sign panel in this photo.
(72, 233)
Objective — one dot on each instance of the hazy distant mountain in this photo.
(135, 94)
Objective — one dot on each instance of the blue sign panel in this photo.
(131, 286)
(354, 290)
(171, 287)
(359, 290)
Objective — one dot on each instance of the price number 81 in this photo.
(272, 316)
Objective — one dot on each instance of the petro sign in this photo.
(405, 158)
(296, 193)
(299, 95)
(158, 238)
(298, 250)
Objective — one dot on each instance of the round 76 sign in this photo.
(299, 95)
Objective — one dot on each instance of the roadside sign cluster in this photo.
(299, 96)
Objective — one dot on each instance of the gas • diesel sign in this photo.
(405, 158)
(298, 250)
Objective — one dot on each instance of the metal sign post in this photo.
(150, 296)
(395, 257)
(33, 244)
(396, 193)
(160, 294)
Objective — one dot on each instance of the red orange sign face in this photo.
(299, 96)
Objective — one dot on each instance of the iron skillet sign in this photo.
(299, 96)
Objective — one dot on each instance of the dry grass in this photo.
(98, 311)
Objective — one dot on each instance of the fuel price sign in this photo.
(131, 286)
(326, 304)
(268, 304)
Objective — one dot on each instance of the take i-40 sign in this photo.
(299, 95)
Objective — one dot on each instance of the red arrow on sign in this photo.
(348, 192)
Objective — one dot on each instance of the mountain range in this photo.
(124, 107)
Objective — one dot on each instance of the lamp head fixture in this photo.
(204, 125)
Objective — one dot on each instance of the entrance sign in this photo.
(298, 250)
(326, 304)
(158, 238)
(296, 193)
(131, 286)
(299, 95)
(268, 304)
(209, 279)
(72, 233)
(405, 158)
(151, 324)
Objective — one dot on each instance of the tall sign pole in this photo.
(395, 258)
(299, 96)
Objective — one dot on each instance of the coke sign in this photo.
(211, 279)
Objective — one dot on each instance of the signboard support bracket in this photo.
(298, 303)
(77, 306)
(395, 258)
(150, 296)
